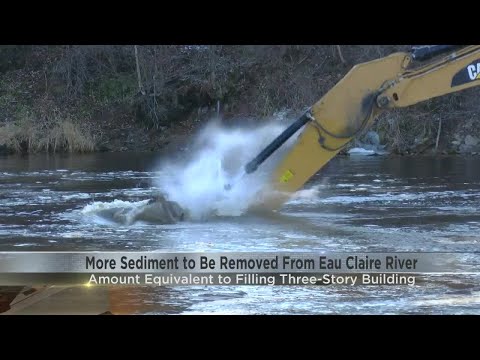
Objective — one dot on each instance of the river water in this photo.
(357, 204)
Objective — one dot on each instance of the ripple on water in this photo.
(370, 205)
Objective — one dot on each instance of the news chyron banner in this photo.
(234, 268)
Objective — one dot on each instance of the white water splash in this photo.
(217, 158)
(306, 196)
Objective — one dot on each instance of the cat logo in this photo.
(469, 73)
(474, 71)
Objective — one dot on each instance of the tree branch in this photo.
(140, 85)
(339, 50)
(438, 134)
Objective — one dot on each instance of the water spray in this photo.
(253, 165)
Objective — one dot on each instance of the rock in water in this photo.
(157, 211)
(160, 211)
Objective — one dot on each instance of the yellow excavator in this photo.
(350, 107)
(367, 90)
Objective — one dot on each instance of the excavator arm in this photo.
(350, 107)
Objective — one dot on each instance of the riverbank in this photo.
(128, 135)
(151, 98)
(113, 131)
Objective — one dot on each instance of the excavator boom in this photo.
(350, 107)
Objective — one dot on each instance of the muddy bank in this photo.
(130, 135)
(72, 98)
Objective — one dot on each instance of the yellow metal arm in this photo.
(352, 104)
(458, 71)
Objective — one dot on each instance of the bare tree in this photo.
(139, 76)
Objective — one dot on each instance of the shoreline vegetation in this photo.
(78, 98)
